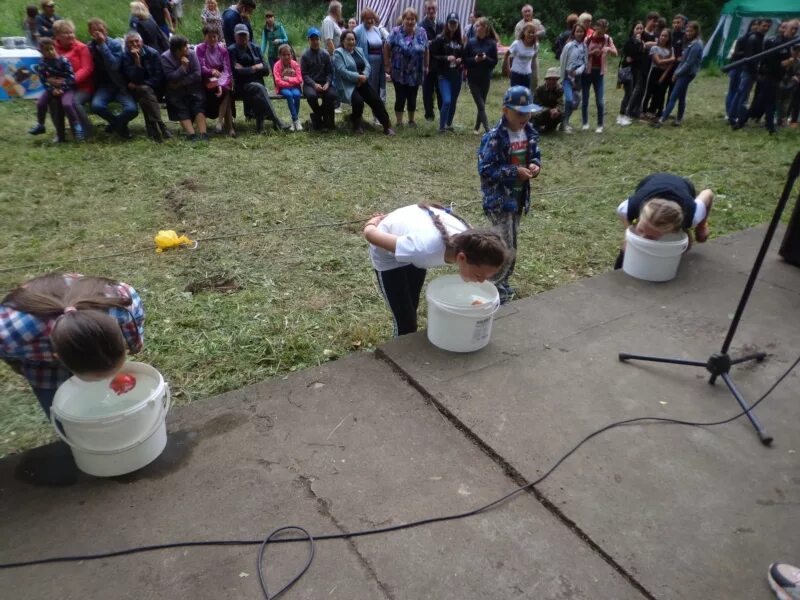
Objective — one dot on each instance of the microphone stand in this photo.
(719, 364)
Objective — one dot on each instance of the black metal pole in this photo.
(794, 171)
(760, 55)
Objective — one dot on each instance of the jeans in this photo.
(449, 88)
(401, 287)
(734, 76)
(45, 398)
(593, 80)
(678, 95)
(479, 88)
(570, 101)
(105, 96)
(292, 96)
(739, 102)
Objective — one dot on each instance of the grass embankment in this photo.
(243, 309)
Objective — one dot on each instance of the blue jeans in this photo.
(739, 102)
(105, 96)
(569, 98)
(449, 88)
(292, 96)
(678, 95)
(45, 398)
(588, 81)
(734, 76)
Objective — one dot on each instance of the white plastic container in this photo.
(113, 434)
(654, 260)
(460, 314)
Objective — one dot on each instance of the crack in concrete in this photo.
(514, 474)
(323, 507)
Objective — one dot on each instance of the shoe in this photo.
(599, 129)
(337, 110)
(232, 133)
(358, 130)
(784, 579)
(389, 131)
(568, 129)
(192, 137)
(657, 124)
(77, 132)
(109, 129)
(298, 126)
(37, 129)
(165, 133)
(676, 123)
(125, 133)
(585, 127)
(619, 119)
(476, 131)
(441, 130)
(218, 129)
(203, 137)
(412, 124)
(450, 128)
(625, 121)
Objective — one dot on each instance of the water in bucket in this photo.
(460, 314)
(96, 399)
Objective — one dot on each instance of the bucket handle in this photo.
(166, 403)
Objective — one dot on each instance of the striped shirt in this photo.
(25, 338)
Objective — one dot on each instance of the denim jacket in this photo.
(690, 59)
(498, 175)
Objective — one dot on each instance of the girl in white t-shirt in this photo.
(409, 240)
(520, 55)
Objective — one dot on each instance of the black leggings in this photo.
(405, 95)
(479, 88)
(402, 288)
(364, 94)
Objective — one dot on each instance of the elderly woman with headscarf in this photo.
(183, 90)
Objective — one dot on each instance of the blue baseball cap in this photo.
(313, 32)
(519, 98)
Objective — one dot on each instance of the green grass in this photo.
(304, 297)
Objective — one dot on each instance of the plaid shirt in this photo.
(25, 338)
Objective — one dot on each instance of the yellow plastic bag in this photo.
(169, 239)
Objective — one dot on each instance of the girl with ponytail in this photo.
(409, 240)
(57, 325)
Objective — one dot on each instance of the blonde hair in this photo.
(139, 10)
(583, 17)
(664, 215)
(63, 26)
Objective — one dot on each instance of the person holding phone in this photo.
(480, 59)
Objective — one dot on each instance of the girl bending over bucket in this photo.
(409, 240)
(664, 203)
(60, 324)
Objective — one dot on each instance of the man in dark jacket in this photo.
(249, 68)
(46, 18)
(550, 96)
(430, 84)
(317, 70)
(109, 84)
(237, 15)
(751, 45)
(141, 70)
(770, 73)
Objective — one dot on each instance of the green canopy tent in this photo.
(735, 19)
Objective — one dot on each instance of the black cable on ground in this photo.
(307, 537)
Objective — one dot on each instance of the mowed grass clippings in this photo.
(275, 299)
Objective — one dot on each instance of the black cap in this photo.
(452, 17)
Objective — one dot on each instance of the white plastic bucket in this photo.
(654, 260)
(460, 313)
(112, 434)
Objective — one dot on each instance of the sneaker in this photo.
(620, 119)
(337, 110)
(37, 129)
(77, 131)
(192, 137)
(585, 127)
(676, 123)
(568, 130)
(657, 124)
(412, 124)
(441, 130)
(625, 121)
(203, 137)
(389, 131)
(298, 126)
(476, 131)
(784, 579)
(599, 129)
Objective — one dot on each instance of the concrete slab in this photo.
(347, 446)
(687, 512)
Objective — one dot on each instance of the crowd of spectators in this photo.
(351, 63)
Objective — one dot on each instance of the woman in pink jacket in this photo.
(598, 47)
(215, 67)
(289, 83)
(79, 56)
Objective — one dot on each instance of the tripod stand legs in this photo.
(765, 438)
(673, 361)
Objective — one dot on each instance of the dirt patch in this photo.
(216, 283)
(179, 195)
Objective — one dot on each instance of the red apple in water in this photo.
(123, 383)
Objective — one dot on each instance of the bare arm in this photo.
(376, 237)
